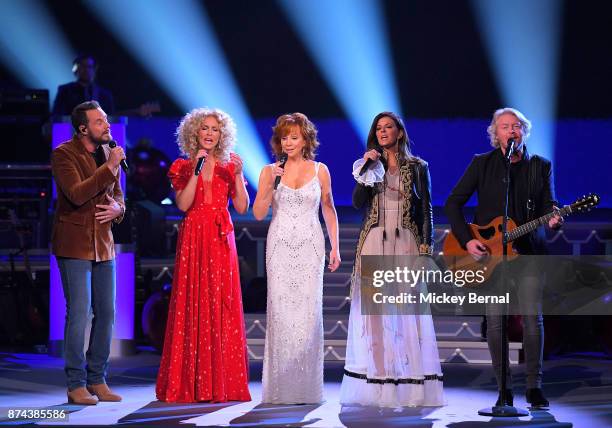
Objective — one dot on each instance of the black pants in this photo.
(526, 282)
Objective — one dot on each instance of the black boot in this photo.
(535, 397)
(509, 398)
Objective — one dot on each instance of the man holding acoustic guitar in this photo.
(531, 195)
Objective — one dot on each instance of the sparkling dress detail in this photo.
(295, 258)
(204, 356)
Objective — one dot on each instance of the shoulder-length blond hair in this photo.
(309, 132)
(492, 129)
(187, 133)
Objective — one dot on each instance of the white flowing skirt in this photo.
(391, 360)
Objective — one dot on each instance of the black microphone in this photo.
(369, 162)
(199, 165)
(283, 160)
(124, 166)
(510, 148)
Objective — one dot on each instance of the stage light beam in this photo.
(33, 47)
(522, 40)
(176, 42)
(348, 41)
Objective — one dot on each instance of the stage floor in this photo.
(579, 388)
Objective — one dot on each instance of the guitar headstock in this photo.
(585, 203)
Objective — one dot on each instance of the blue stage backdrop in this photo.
(582, 151)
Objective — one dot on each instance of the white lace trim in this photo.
(374, 174)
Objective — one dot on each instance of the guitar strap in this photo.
(534, 173)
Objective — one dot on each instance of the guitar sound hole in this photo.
(487, 233)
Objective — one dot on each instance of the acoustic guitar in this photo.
(457, 257)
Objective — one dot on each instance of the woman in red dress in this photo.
(204, 356)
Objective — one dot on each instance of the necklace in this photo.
(393, 188)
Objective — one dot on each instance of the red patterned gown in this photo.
(204, 356)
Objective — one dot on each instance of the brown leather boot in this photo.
(103, 392)
(81, 396)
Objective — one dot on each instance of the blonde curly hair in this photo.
(187, 133)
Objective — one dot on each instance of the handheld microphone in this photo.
(369, 162)
(283, 160)
(199, 165)
(124, 166)
(510, 148)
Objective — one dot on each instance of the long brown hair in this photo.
(403, 142)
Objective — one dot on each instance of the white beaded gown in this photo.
(295, 258)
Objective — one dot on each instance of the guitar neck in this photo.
(534, 224)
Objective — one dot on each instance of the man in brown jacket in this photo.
(89, 201)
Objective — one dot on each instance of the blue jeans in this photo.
(88, 285)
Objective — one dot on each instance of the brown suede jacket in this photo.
(80, 186)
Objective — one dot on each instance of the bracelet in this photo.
(425, 249)
(116, 219)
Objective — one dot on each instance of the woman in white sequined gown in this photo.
(392, 359)
(295, 258)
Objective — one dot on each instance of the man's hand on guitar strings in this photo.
(476, 249)
(557, 220)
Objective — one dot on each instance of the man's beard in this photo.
(100, 141)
